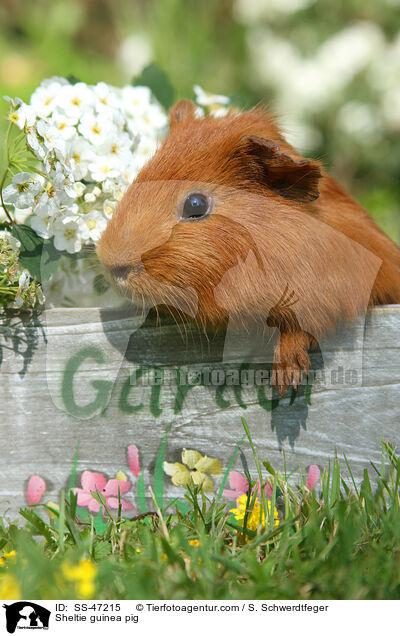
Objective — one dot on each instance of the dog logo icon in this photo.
(26, 615)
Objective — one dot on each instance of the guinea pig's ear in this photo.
(293, 180)
(185, 109)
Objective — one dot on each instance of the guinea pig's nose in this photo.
(120, 271)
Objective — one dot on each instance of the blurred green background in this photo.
(330, 69)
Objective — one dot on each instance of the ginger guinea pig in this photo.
(227, 222)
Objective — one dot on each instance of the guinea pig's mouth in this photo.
(145, 292)
(118, 276)
(131, 282)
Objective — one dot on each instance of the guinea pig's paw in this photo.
(290, 360)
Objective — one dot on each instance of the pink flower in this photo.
(93, 482)
(239, 486)
(133, 459)
(313, 476)
(35, 489)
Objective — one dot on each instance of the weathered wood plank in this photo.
(71, 374)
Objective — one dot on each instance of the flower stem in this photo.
(11, 220)
(4, 177)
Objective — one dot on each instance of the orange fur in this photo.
(279, 227)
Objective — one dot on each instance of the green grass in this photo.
(334, 542)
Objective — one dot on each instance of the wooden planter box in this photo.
(95, 376)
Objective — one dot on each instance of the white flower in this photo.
(34, 143)
(208, 99)
(105, 96)
(151, 123)
(92, 195)
(13, 101)
(349, 51)
(108, 208)
(76, 158)
(43, 99)
(135, 52)
(311, 84)
(91, 141)
(41, 221)
(67, 234)
(384, 71)
(64, 125)
(218, 111)
(22, 190)
(104, 168)
(115, 189)
(96, 127)
(52, 138)
(23, 116)
(55, 196)
(391, 108)
(74, 100)
(75, 190)
(253, 11)
(135, 100)
(119, 149)
(93, 225)
(20, 215)
(360, 121)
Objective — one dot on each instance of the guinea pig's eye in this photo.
(195, 206)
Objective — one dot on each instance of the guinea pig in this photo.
(228, 222)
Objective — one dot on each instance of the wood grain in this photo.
(70, 375)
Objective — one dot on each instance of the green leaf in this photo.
(157, 80)
(100, 285)
(39, 526)
(269, 468)
(31, 249)
(72, 479)
(99, 523)
(158, 481)
(39, 257)
(101, 550)
(141, 494)
(230, 464)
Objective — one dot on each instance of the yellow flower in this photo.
(195, 471)
(195, 542)
(9, 588)
(120, 476)
(256, 517)
(52, 509)
(8, 556)
(83, 575)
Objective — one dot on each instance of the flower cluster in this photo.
(92, 484)
(194, 471)
(111, 491)
(17, 289)
(78, 149)
(341, 81)
(82, 576)
(255, 515)
(89, 143)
